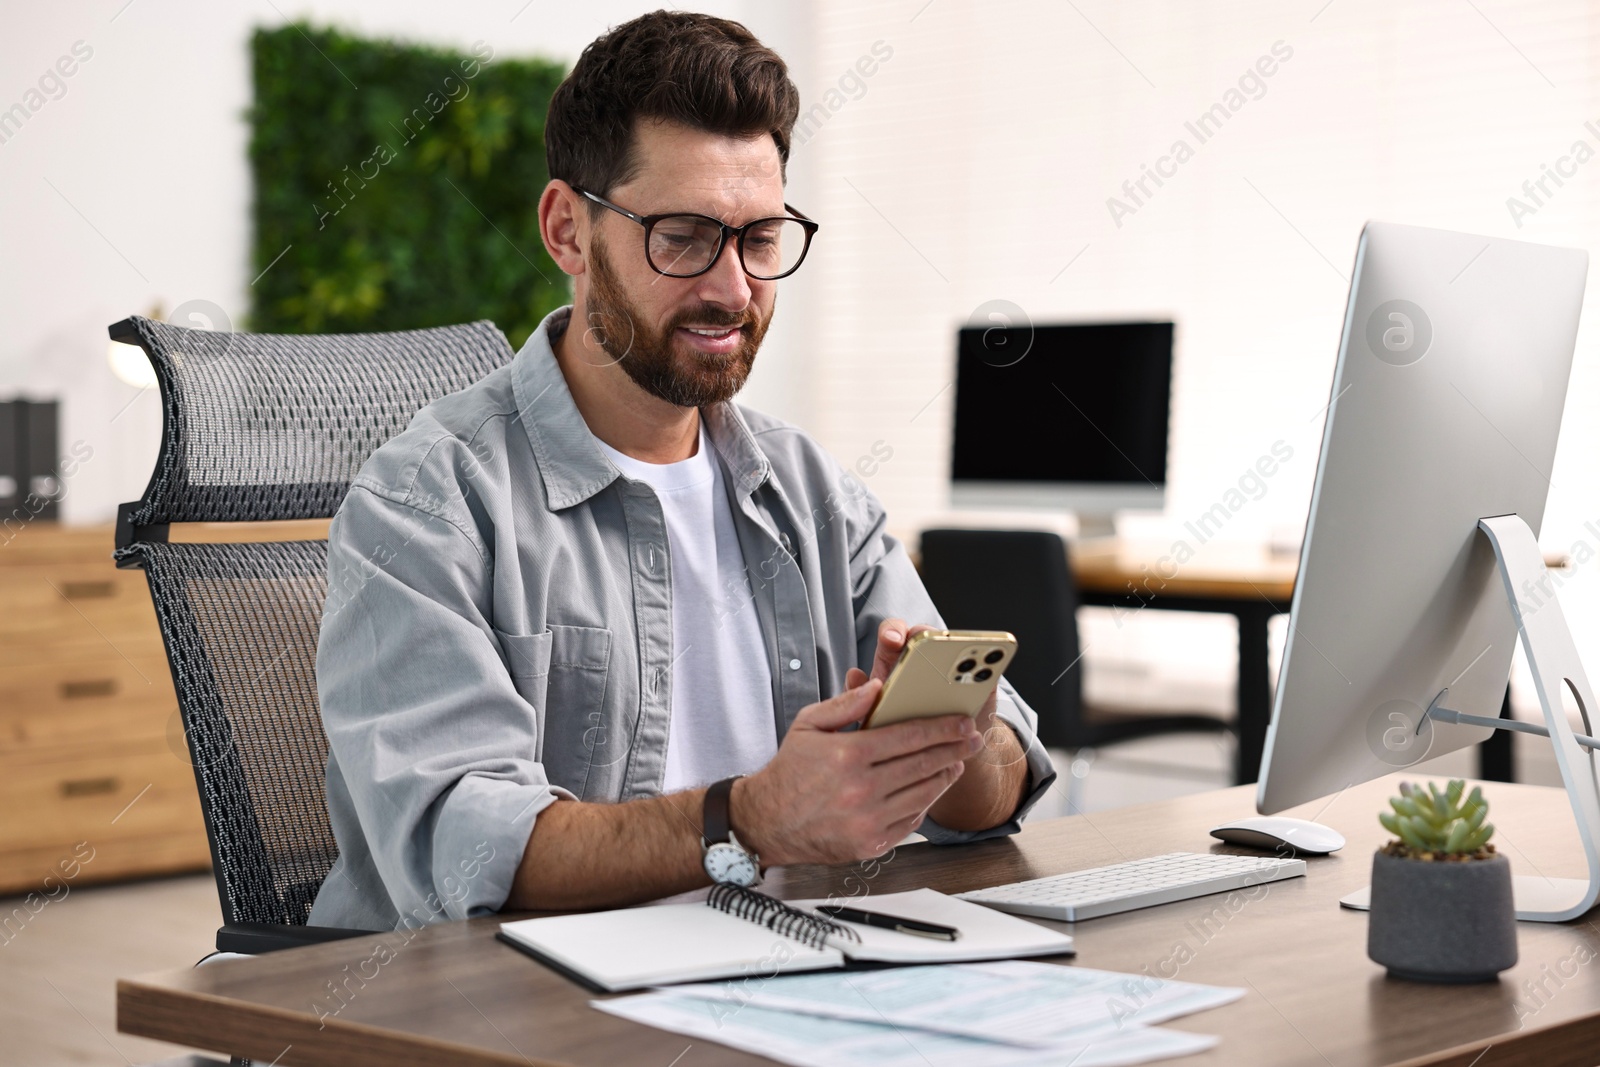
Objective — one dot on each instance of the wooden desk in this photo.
(453, 995)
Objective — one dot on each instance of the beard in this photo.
(688, 379)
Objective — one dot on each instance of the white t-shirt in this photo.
(722, 715)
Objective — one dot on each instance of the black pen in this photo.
(890, 922)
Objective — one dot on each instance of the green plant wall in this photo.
(397, 186)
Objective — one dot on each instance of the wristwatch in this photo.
(726, 861)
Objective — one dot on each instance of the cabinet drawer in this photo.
(44, 706)
(24, 870)
(111, 794)
(75, 612)
(51, 543)
(90, 747)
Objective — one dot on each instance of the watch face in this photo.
(731, 864)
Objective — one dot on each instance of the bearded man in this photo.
(612, 631)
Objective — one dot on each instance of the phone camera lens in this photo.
(994, 656)
(983, 675)
(966, 665)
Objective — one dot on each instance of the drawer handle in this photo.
(88, 687)
(88, 590)
(89, 787)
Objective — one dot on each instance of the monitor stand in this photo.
(1556, 665)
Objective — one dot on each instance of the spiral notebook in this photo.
(740, 931)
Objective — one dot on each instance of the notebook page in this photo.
(986, 934)
(630, 948)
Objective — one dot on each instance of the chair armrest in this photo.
(253, 939)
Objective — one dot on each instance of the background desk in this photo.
(1251, 585)
(453, 995)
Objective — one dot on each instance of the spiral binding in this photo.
(783, 919)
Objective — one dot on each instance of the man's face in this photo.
(688, 341)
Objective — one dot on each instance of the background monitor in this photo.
(1072, 417)
(1446, 404)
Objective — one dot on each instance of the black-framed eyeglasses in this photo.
(682, 244)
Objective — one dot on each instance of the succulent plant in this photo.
(1439, 823)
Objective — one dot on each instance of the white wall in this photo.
(979, 163)
(980, 160)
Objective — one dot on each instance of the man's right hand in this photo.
(836, 797)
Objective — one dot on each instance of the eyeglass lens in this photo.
(685, 244)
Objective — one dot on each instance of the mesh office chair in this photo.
(1021, 581)
(260, 427)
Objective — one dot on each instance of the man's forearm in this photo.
(990, 788)
(583, 856)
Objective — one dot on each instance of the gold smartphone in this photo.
(943, 672)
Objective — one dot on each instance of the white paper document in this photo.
(816, 1041)
(1014, 1001)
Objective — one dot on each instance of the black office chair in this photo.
(1021, 581)
(261, 427)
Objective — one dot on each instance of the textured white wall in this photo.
(979, 162)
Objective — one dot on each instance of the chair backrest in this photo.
(1021, 581)
(264, 427)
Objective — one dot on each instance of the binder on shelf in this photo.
(13, 473)
(40, 451)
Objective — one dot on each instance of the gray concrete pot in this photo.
(1442, 922)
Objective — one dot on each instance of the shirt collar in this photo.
(569, 456)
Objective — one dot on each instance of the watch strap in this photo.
(716, 824)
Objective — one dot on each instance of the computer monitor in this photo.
(1070, 417)
(1445, 409)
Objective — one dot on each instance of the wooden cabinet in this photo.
(92, 754)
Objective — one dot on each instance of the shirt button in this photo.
(794, 665)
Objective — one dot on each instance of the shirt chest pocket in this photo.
(562, 673)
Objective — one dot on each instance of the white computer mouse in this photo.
(1272, 832)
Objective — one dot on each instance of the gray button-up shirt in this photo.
(498, 630)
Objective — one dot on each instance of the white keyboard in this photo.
(1135, 884)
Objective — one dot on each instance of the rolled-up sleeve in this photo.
(885, 586)
(1014, 712)
(434, 747)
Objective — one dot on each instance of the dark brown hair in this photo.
(704, 72)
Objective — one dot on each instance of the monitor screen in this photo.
(1080, 403)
